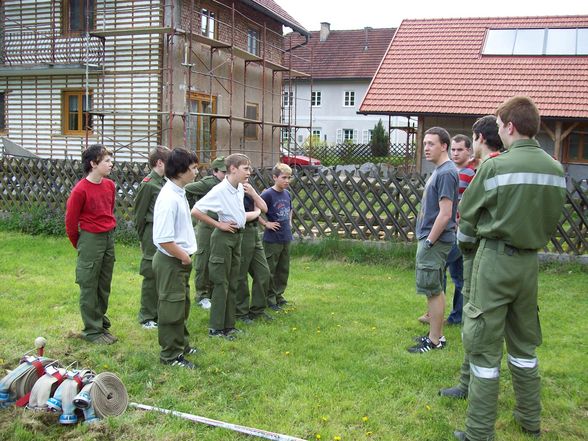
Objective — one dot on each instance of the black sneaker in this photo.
(246, 320)
(220, 333)
(422, 338)
(191, 350)
(180, 361)
(426, 345)
(232, 332)
(454, 392)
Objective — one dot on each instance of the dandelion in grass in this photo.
(428, 407)
(287, 353)
(318, 436)
(325, 419)
(337, 438)
(294, 329)
(373, 328)
(364, 419)
(368, 433)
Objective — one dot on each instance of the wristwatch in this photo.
(428, 243)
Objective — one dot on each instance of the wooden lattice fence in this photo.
(346, 205)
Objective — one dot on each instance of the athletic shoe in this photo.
(220, 333)
(426, 345)
(179, 361)
(232, 332)
(205, 303)
(460, 436)
(275, 307)
(422, 338)
(149, 324)
(454, 392)
(102, 339)
(111, 337)
(245, 320)
(190, 351)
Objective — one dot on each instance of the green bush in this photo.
(42, 220)
(380, 143)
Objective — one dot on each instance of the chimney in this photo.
(325, 31)
(367, 29)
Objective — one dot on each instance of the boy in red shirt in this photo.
(89, 224)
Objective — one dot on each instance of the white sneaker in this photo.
(204, 303)
(150, 324)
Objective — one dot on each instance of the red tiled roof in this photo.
(272, 8)
(345, 54)
(436, 67)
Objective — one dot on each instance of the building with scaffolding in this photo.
(206, 75)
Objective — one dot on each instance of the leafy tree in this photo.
(380, 140)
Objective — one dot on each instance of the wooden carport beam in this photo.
(557, 137)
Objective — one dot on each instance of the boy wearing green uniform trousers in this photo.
(511, 209)
(195, 191)
(277, 234)
(251, 305)
(486, 144)
(226, 200)
(90, 223)
(174, 238)
(144, 205)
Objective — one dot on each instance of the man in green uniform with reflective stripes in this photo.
(194, 192)
(511, 208)
(143, 210)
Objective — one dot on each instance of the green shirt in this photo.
(145, 200)
(516, 197)
(196, 190)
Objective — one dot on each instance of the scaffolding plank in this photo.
(132, 31)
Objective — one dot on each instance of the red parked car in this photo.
(297, 160)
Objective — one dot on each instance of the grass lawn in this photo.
(332, 366)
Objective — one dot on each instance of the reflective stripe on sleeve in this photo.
(525, 363)
(461, 237)
(524, 178)
(483, 372)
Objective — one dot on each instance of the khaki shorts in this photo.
(430, 266)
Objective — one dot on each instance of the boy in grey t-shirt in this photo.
(436, 226)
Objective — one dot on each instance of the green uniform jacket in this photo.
(145, 200)
(196, 190)
(502, 201)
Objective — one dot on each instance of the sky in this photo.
(354, 14)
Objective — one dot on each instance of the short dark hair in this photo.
(443, 135)
(486, 126)
(463, 138)
(95, 153)
(522, 112)
(160, 153)
(178, 162)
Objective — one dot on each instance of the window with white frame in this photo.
(288, 98)
(346, 135)
(367, 136)
(316, 136)
(349, 98)
(253, 41)
(208, 26)
(315, 98)
(2, 112)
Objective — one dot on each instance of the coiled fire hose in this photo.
(109, 395)
(18, 383)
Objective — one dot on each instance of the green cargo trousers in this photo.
(148, 310)
(502, 306)
(253, 262)
(468, 264)
(278, 260)
(173, 286)
(223, 268)
(202, 283)
(94, 275)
